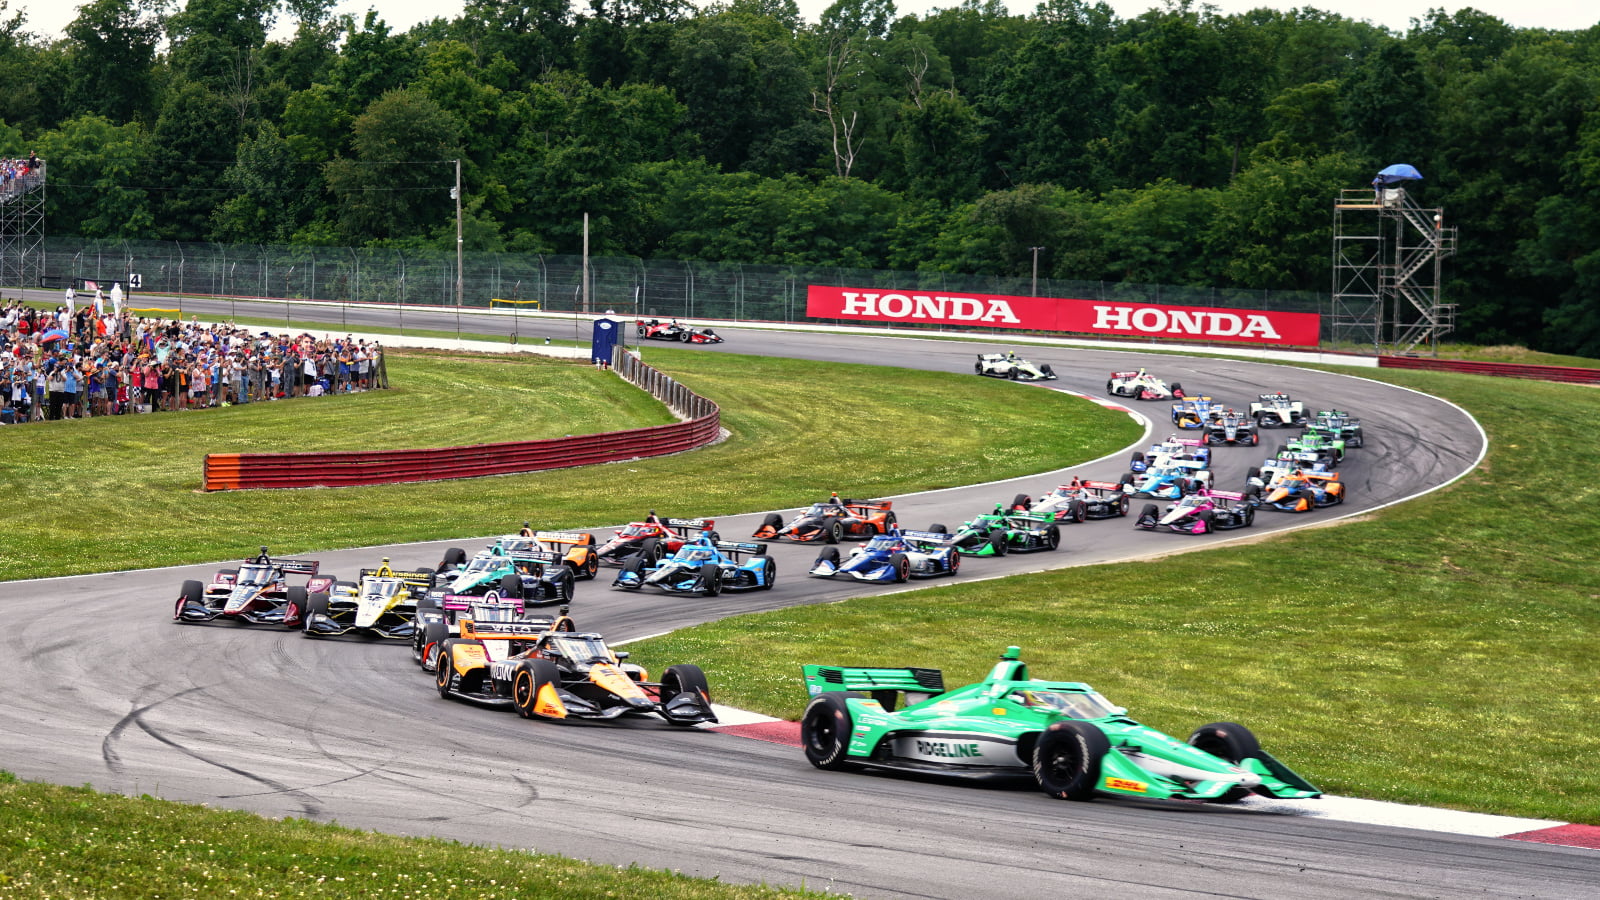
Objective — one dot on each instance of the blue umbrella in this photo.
(1398, 172)
(54, 334)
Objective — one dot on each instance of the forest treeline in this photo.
(1180, 147)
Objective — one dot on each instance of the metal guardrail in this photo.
(1568, 374)
(701, 425)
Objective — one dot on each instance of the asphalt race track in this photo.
(109, 692)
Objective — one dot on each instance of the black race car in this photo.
(656, 330)
(1231, 428)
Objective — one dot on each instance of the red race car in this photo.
(656, 330)
(655, 537)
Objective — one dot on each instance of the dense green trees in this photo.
(1181, 146)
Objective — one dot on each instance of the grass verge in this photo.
(792, 433)
(62, 843)
(1440, 652)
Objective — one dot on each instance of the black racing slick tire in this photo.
(651, 551)
(191, 592)
(1052, 537)
(1078, 511)
(1207, 521)
(511, 586)
(711, 579)
(1229, 741)
(316, 605)
(772, 521)
(444, 669)
(769, 573)
(835, 531)
(977, 367)
(825, 731)
(684, 678)
(434, 634)
(455, 556)
(938, 528)
(526, 682)
(633, 565)
(997, 544)
(1066, 760)
(902, 567)
(1021, 501)
(294, 607)
(828, 554)
(1123, 504)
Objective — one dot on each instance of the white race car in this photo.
(1012, 366)
(1141, 385)
(1277, 410)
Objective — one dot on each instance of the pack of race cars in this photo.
(474, 621)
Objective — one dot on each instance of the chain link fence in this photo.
(627, 286)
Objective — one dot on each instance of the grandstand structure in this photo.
(1388, 258)
(22, 229)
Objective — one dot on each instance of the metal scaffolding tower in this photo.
(22, 229)
(1388, 257)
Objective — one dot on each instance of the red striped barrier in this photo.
(1568, 374)
(241, 471)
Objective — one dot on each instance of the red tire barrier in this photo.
(1568, 374)
(702, 425)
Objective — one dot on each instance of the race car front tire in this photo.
(997, 544)
(294, 606)
(1052, 537)
(1123, 505)
(710, 579)
(1208, 522)
(1229, 741)
(935, 528)
(1078, 511)
(316, 605)
(828, 554)
(901, 565)
(455, 556)
(511, 586)
(527, 681)
(191, 592)
(434, 634)
(835, 531)
(825, 731)
(684, 678)
(769, 573)
(633, 565)
(955, 560)
(1066, 760)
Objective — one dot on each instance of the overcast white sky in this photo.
(49, 17)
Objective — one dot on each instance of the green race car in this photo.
(1062, 734)
(1001, 532)
(1314, 441)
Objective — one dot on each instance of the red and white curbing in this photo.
(754, 726)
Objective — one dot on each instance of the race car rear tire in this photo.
(685, 336)
(443, 669)
(1110, 389)
(1078, 511)
(527, 681)
(294, 606)
(1013, 374)
(1066, 760)
(711, 579)
(825, 731)
(902, 567)
(1052, 537)
(769, 573)
(1021, 501)
(1229, 741)
(977, 367)
(511, 586)
(455, 556)
(1127, 478)
(835, 531)
(651, 549)
(684, 678)
(191, 592)
(316, 605)
(938, 528)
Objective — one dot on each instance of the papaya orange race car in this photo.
(831, 521)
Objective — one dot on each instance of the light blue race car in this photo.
(702, 566)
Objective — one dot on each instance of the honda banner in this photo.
(1113, 317)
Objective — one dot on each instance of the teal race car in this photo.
(1062, 735)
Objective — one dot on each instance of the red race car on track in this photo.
(831, 521)
(655, 537)
(657, 330)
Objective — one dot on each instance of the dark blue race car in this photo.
(895, 556)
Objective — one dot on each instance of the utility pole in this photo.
(459, 280)
(585, 262)
(1035, 291)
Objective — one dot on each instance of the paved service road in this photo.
(106, 690)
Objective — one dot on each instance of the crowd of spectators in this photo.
(18, 175)
(79, 362)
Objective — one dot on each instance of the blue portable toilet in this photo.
(604, 340)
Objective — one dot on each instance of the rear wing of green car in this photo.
(880, 684)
